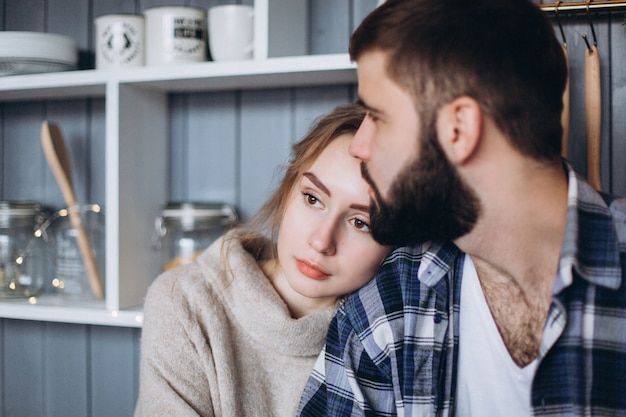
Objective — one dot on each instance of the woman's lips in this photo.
(310, 270)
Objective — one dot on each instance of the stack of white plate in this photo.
(33, 52)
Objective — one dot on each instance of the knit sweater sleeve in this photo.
(176, 364)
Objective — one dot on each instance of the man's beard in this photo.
(428, 201)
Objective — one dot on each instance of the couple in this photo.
(506, 295)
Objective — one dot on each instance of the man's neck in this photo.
(515, 246)
(522, 223)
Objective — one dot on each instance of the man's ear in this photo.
(459, 128)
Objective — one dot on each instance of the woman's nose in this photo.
(323, 236)
(359, 145)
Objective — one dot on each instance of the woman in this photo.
(237, 332)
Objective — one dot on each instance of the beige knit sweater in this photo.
(218, 340)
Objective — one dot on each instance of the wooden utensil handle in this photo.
(565, 116)
(594, 115)
(82, 240)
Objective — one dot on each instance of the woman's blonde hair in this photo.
(344, 119)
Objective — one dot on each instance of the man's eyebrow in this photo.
(311, 176)
(362, 103)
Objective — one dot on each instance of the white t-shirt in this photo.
(489, 383)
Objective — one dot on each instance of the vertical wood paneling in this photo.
(360, 9)
(204, 143)
(311, 103)
(57, 369)
(266, 133)
(2, 15)
(113, 371)
(329, 23)
(97, 145)
(618, 103)
(212, 150)
(102, 7)
(67, 374)
(81, 28)
(25, 15)
(23, 162)
(2, 377)
(178, 181)
(23, 368)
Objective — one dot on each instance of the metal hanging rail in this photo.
(581, 6)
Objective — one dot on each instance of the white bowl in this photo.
(31, 52)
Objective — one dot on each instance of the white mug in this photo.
(119, 41)
(231, 32)
(175, 35)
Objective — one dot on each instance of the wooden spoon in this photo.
(59, 161)
(593, 111)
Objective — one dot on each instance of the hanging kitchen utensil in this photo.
(59, 161)
(593, 109)
(565, 115)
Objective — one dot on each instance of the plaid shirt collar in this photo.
(596, 257)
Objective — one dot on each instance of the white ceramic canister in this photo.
(119, 41)
(175, 35)
(231, 32)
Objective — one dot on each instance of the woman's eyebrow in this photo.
(311, 176)
(360, 207)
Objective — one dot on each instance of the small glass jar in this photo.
(25, 264)
(185, 229)
(71, 279)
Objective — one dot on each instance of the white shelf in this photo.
(136, 148)
(203, 76)
(58, 85)
(264, 73)
(51, 308)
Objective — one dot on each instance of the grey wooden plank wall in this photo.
(224, 146)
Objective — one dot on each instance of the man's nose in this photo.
(360, 143)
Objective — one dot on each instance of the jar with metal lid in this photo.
(185, 229)
(24, 261)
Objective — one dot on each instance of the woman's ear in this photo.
(459, 128)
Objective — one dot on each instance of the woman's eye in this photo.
(361, 225)
(310, 199)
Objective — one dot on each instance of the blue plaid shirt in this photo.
(392, 347)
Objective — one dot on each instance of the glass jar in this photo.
(185, 229)
(71, 279)
(25, 265)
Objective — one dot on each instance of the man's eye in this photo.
(372, 117)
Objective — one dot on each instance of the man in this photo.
(520, 308)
